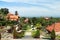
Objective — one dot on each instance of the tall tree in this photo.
(53, 36)
(16, 12)
(4, 11)
(34, 20)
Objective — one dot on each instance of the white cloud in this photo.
(33, 11)
(20, 0)
(29, 1)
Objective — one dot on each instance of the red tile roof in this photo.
(26, 20)
(55, 26)
(12, 17)
(9, 14)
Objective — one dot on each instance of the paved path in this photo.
(28, 35)
(24, 39)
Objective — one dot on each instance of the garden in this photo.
(35, 25)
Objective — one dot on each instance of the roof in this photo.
(12, 17)
(9, 14)
(26, 20)
(55, 26)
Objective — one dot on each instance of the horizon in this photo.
(33, 8)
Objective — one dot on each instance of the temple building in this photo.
(12, 17)
(55, 26)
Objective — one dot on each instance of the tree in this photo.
(36, 33)
(34, 20)
(16, 12)
(4, 11)
(53, 35)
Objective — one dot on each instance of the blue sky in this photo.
(32, 8)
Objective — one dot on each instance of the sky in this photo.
(33, 8)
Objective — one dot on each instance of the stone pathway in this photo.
(28, 35)
(24, 39)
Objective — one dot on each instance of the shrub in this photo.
(36, 33)
(24, 27)
(2, 23)
(18, 35)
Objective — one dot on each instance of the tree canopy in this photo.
(4, 11)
